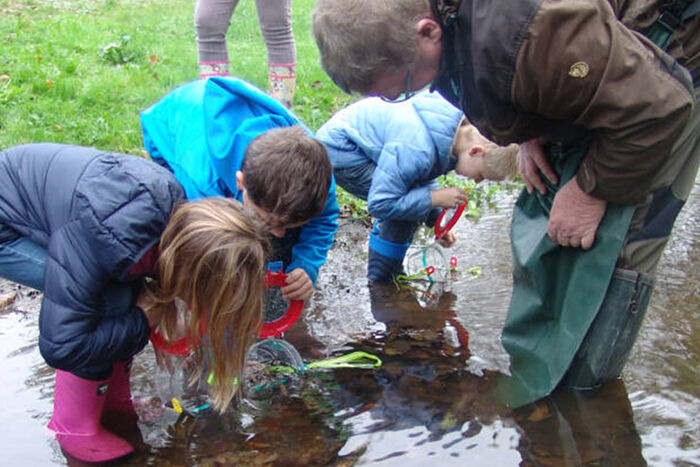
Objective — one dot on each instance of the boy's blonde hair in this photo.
(359, 40)
(500, 162)
(212, 255)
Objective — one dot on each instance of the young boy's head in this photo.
(285, 178)
(479, 159)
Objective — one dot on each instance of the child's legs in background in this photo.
(356, 179)
(275, 20)
(23, 261)
(212, 19)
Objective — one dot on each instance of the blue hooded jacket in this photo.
(202, 129)
(409, 142)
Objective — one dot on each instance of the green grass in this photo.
(80, 71)
(55, 85)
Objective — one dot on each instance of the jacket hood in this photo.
(234, 113)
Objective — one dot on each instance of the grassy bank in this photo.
(80, 71)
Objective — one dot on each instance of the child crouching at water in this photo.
(390, 155)
(112, 243)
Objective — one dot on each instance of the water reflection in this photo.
(432, 400)
(581, 428)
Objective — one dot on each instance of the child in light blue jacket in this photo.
(212, 134)
(390, 155)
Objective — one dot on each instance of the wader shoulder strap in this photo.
(672, 13)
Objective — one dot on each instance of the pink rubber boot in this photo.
(77, 408)
(118, 402)
(119, 415)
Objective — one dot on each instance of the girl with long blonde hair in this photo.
(212, 257)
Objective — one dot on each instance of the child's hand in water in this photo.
(299, 285)
(448, 240)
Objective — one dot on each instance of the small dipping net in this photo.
(275, 304)
(429, 263)
(270, 371)
(279, 314)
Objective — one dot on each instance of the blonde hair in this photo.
(500, 162)
(212, 255)
(359, 40)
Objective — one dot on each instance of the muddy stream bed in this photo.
(432, 401)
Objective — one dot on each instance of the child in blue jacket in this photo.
(224, 137)
(390, 155)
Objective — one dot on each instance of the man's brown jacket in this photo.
(562, 70)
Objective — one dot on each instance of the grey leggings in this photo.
(213, 17)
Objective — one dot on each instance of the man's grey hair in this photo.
(359, 40)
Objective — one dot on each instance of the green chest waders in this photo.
(557, 290)
(563, 297)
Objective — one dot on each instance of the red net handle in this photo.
(441, 232)
(287, 320)
(179, 346)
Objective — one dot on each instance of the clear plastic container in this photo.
(431, 259)
(271, 370)
(172, 384)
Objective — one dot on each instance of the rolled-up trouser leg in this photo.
(388, 242)
(607, 345)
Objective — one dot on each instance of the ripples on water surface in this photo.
(432, 400)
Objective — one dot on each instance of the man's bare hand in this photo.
(575, 216)
(299, 285)
(531, 162)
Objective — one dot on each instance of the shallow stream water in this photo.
(431, 401)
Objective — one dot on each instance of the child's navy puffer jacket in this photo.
(97, 214)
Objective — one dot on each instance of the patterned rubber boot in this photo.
(283, 82)
(207, 69)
